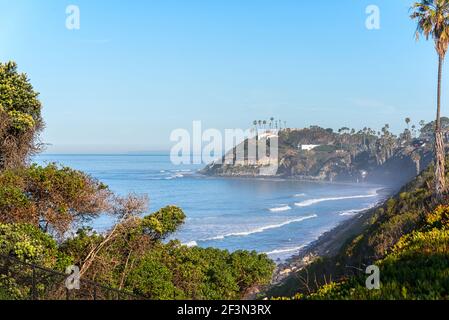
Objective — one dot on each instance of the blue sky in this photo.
(136, 70)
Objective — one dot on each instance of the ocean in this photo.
(273, 216)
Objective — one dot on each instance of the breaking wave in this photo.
(260, 230)
(300, 195)
(310, 202)
(278, 251)
(354, 211)
(281, 209)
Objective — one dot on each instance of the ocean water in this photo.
(273, 216)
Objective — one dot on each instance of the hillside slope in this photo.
(407, 238)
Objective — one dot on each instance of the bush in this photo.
(163, 222)
(416, 268)
(152, 279)
(50, 197)
(173, 271)
(20, 117)
(28, 244)
(134, 258)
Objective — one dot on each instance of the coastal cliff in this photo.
(321, 154)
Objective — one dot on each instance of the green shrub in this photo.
(416, 268)
(51, 197)
(173, 271)
(163, 222)
(27, 244)
(20, 117)
(21, 121)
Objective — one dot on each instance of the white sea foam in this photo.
(176, 176)
(354, 211)
(310, 202)
(300, 195)
(281, 209)
(278, 251)
(261, 229)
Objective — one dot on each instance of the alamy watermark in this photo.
(372, 22)
(72, 282)
(73, 17)
(373, 280)
(258, 147)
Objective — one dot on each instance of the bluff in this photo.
(320, 154)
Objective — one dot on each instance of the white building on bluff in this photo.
(308, 147)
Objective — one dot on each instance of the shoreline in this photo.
(327, 244)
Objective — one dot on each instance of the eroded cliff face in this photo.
(320, 154)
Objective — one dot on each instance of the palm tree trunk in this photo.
(439, 144)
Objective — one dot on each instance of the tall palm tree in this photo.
(407, 121)
(432, 17)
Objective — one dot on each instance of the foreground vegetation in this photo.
(416, 268)
(136, 263)
(407, 238)
(132, 256)
(43, 210)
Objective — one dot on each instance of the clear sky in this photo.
(136, 70)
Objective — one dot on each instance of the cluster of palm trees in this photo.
(412, 130)
(272, 123)
(432, 17)
(364, 132)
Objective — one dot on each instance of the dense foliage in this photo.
(173, 271)
(29, 244)
(416, 268)
(50, 197)
(406, 237)
(36, 202)
(130, 258)
(20, 117)
(136, 260)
